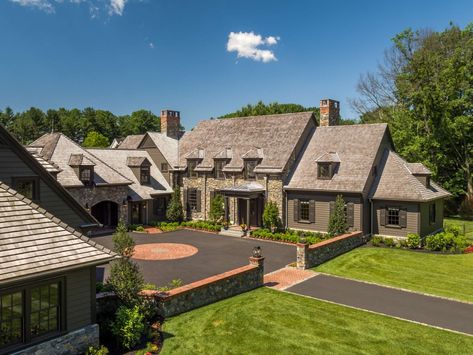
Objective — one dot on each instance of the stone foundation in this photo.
(75, 342)
(316, 254)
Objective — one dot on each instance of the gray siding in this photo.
(78, 298)
(413, 219)
(13, 166)
(322, 210)
(157, 157)
(426, 227)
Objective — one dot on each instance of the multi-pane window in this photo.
(432, 213)
(192, 198)
(393, 216)
(250, 166)
(164, 167)
(323, 170)
(44, 316)
(11, 319)
(28, 187)
(219, 165)
(191, 165)
(85, 174)
(145, 177)
(304, 210)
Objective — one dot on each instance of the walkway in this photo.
(286, 277)
(429, 310)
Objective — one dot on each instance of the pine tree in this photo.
(124, 244)
(174, 212)
(337, 224)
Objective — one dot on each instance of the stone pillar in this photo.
(225, 203)
(302, 256)
(259, 262)
(248, 213)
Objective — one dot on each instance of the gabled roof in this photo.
(49, 166)
(242, 135)
(167, 146)
(397, 182)
(118, 159)
(33, 241)
(62, 149)
(80, 160)
(330, 157)
(356, 147)
(46, 177)
(132, 141)
(137, 161)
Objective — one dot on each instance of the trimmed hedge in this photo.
(200, 225)
(289, 236)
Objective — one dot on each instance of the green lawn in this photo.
(448, 275)
(466, 226)
(266, 321)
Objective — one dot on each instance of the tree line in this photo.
(77, 124)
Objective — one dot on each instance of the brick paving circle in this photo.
(163, 251)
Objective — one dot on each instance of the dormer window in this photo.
(219, 165)
(145, 177)
(86, 174)
(324, 171)
(250, 166)
(191, 173)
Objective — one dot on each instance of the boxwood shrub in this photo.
(446, 242)
(288, 236)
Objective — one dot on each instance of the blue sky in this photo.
(123, 55)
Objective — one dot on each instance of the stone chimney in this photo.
(170, 123)
(329, 112)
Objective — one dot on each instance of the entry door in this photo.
(136, 213)
(254, 212)
(242, 211)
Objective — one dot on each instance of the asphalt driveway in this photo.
(434, 311)
(216, 254)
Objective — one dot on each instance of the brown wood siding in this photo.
(78, 298)
(322, 210)
(157, 156)
(425, 226)
(412, 222)
(13, 166)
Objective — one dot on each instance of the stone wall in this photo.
(92, 195)
(75, 342)
(209, 290)
(206, 183)
(316, 254)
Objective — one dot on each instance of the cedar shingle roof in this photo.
(136, 161)
(275, 135)
(49, 166)
(131, 142)
(118, 159)
(418, 169)
(62, 150)
(167, 146)
(397, 182)
(33, 241)
(354, 146)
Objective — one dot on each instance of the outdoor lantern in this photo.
(257, 252)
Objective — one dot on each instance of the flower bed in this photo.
(207, 226)
(289, 236)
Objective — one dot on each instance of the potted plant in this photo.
(244, 228)
(225, 225)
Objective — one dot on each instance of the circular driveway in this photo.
(163, 251)
(216, 254)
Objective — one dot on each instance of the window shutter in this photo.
(332, 207)
(382, 216)
(312, 211)
(351, 214)
(296, 210)
(403, 218)
(198, 204)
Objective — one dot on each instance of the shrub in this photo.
(389, 242)
(172, 285)
(203, 225)
(455, 230)
(101, 287)
(126, 281)
(123, 243)
(149, 286)
(403, 243)
(174, 212)
(376, 241)
(140, 229)
(217, 210)
(128, 326)
(413, 241)
(337, 224)
(446, 241)
(288, 236)
(97, 350)
(271, 216)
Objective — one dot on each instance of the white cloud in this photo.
(43, 5)
(151, 45)
(248, 45)
(117, 7)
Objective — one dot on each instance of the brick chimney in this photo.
(329, 112)
(170, 123)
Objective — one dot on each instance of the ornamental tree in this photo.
(337, 224)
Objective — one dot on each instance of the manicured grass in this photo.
(266, 321)
(448, 275)
(466, 226)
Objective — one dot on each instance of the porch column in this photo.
(248, 213)
(225, 204)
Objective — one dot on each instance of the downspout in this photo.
(285, 208)
(205, 196)
(371, 217)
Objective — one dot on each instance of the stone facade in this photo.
(316, 254)
(75, 342)
(210, 290)
(90, 196)
(206, 183)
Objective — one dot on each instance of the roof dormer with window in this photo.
(83, 167)
(327, 165)
(141, 168)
